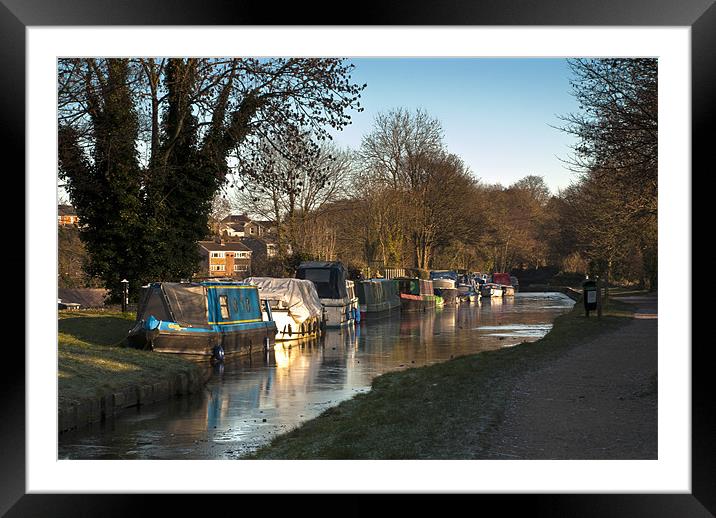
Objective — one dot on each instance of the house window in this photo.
(251, 230)
(224, 305)
(240, 268)
(243, 255)
(218, 267)
(218, 254)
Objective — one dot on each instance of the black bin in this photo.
(589, 295)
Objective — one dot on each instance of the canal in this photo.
(250, 400)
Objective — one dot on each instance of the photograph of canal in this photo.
(357, 258)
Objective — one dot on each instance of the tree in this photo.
(105, 187)
(167, 130)
(616, 157)
(415, 183)
(617, 127)
(298, 192)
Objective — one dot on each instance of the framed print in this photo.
(38, 35)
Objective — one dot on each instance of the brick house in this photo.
(222, 259)
(66, 215)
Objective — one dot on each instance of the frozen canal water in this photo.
(248, 401)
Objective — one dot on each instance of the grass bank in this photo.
(443, 411)
(98, 376)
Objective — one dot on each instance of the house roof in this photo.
(233, 246)
(66, 210)
(237, 227)
(266, 223)
(266, 240)
(236, 218)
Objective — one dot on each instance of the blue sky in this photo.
(496, 113)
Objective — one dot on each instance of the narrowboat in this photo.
(294, 306)
(335, 291)
(377, 297)
(489, 290)
(210, 318)
(505, 282)
(415, 294)
(447, 289)
(467, 289)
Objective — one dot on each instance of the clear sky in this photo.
(496, 113)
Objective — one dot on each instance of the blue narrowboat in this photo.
(211, 318)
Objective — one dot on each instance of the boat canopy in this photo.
(502, 278)
(200, 304)
(298, 295)
(443, 274)
(444, 283)
(328, 276)
(184, 303)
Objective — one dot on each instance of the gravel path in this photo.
(598, 401)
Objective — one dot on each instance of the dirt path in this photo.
(598, 401)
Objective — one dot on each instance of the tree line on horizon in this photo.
(400, 200)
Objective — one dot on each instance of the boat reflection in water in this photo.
(251, 399)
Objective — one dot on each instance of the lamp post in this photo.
(125, 295)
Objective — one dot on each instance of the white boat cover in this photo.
(298, 295)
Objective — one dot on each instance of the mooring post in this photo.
(125, 295)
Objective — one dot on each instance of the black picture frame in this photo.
(700, 15)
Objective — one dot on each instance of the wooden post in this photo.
(599, 297)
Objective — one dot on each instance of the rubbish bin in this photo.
(589, 295)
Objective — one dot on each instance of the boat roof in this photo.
(320, 264)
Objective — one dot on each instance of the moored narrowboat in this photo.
(489, 290)
(468, 288)
(377, 297)
(415, 294)
(212, 319)
(294, 306)
(335, 291)
(447, 289)
(504, 281)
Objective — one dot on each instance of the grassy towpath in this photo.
(462, 408)
(94, 364)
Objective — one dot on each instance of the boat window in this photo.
(247, 304)
(224, 305)
(318, 274)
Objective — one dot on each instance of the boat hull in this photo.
(451, 296)
(491, 291)
(416, 302)
(202, 341)
(340, 312)
(288, 329)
